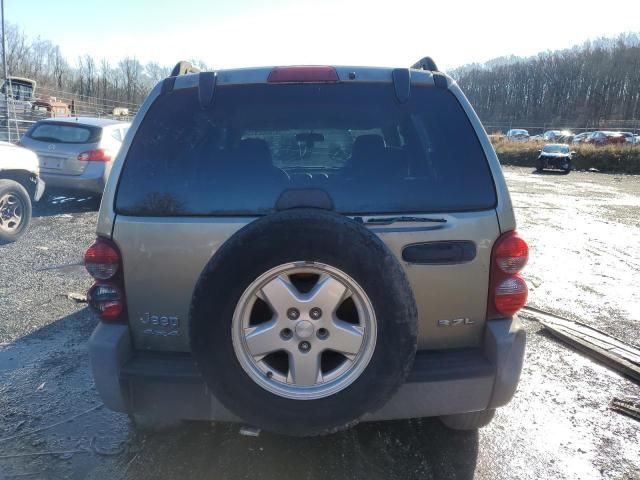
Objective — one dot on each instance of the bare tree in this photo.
(59, 67)
(131, 73)
(155, 72)
(599, 80)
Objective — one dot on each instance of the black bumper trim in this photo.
(429, 366)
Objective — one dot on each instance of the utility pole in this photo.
(7, 88)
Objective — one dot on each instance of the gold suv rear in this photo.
(303, 248)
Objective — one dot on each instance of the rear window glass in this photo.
(64, 133)
(356, 142)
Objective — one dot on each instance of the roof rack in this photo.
(425, 63)
(183, 68)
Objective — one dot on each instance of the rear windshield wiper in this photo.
(390, 220)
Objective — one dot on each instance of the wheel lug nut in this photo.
(322, 333)
(315, 313)
(286, 334)
(293, 313)
(304, 347)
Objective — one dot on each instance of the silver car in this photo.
(75, 153)
(303, 248)
(518, 135)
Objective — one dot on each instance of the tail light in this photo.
(507, 289)
(102, 259)
(107, 300)
(97, 155)
(106, 296)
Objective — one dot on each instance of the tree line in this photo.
(126, 82)
(585, 85)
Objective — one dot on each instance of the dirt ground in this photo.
(584, 234)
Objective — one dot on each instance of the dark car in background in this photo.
(602, 137)
(75, 153)
(554, 156)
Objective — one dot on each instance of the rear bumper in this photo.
(92, 180)
(441, 382)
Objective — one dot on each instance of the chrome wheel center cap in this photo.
(304, 329)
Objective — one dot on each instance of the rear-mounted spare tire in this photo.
(303, 322)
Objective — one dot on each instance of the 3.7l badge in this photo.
(456, 322)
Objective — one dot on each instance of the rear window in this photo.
(356, 142)
(64, 133)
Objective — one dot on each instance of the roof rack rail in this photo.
(182, 68)
(425, 63)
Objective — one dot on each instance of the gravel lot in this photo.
(584, 233)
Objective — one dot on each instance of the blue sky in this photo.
(249, 32)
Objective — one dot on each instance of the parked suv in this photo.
(20, 183)
(555, 156)
(75, 153)
(303, 248)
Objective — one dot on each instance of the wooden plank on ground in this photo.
(629, 407)
(608, 349)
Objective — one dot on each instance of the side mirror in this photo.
(573, 152)
(539, 151)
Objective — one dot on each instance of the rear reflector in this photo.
(511, 295)
(303, 73)
(97, 155)
(102, 259)
(107, 300)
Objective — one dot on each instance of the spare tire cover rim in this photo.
(303, 327)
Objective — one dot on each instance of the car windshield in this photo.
(519, 132)
(556, 149)
(368, 152)
(55, 132)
